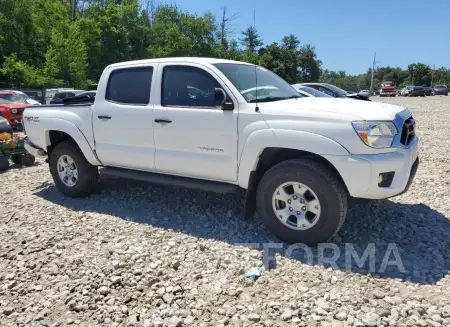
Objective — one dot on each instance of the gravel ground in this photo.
(145, 255)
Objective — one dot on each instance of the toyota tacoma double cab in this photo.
(226, 126)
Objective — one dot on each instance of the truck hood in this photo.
(350, 109)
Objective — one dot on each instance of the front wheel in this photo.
(73, 175)
(302, 201)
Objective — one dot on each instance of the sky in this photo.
(347, 33)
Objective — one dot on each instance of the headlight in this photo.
(14, 111)
(376, 134)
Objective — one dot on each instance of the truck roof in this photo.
(176, 59)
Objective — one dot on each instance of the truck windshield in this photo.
(264, 86)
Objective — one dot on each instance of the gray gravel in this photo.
(145, 255)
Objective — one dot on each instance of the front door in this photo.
(193, 137)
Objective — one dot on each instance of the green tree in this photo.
(66, 59)
(250, 39)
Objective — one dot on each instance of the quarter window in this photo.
(130, 85)
(187, 86)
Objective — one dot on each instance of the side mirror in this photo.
(222, 100)
(220, 97)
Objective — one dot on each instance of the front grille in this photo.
(408, 131)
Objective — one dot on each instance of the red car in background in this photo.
(11, 108)
(388, 89)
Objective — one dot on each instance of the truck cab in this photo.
(227, 126)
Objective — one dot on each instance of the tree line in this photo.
(415, 74)
(70, 42)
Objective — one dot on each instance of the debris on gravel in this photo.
(143, 255)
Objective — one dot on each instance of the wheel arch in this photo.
(58, 135)
(273, 156)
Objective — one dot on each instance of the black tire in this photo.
(87, 181)
(17, 159)
(4, 163)
(28, 159)
(328, 188)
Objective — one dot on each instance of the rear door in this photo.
(122, 118)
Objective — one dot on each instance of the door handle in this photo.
(104, 117)
(163, 121)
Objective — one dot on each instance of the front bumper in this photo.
(360, 172)
(388, 92)
(33, 149)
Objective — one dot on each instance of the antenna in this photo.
(256, 76)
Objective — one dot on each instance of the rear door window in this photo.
(130, 86)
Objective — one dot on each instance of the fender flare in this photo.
(74, 132)
(288, 139)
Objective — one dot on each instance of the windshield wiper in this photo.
(269, 99)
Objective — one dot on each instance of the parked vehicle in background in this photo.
(89, 93)
(335, 91)
(60, 96)
(441, 89)
(416, 91)
(21, 96)
(364, 93)
(309, 91)
(12, 111)
(388, 89)
(5, 127)
(407, 90)
(50, 93)
(299, 159)
(429, 91)
(35, 94)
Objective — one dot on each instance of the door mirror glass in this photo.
(222, 100)
(220, 96)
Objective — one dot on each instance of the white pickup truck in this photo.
(224, 125)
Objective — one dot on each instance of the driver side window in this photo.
(187, 86)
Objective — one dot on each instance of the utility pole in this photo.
(373, 68)
(432, 75)
(74, 5)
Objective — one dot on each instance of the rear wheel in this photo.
(17, 159)
(73, 175)
(300, 200)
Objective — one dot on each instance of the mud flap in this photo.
(249, 209)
